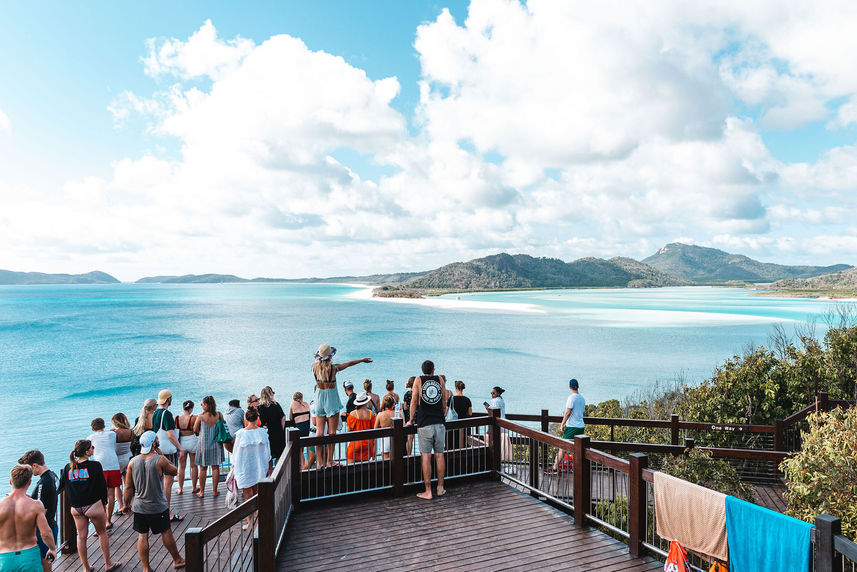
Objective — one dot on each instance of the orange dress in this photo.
(360, 450)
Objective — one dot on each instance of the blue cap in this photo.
(572, 383)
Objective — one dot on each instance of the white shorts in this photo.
(189, 443)
(384, 445)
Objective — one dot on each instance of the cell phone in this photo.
(485, 403)
(50, 558)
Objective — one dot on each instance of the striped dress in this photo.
(209, 452)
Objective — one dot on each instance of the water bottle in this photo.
(397, 414)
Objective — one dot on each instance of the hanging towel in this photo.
(761, 540)
(691, 514)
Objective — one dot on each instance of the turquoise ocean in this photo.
(72, 353)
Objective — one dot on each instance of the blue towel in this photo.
(761, 540)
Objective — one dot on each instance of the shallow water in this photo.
(72, 353)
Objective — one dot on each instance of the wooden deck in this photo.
(475, 526)
(123, 539)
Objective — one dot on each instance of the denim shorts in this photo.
(432, 438)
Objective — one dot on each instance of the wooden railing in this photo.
(617, 494)
(228, 544)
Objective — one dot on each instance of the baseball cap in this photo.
(147, 439)
(348, 385)
(163, 395)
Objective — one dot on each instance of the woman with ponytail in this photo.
(86, 487)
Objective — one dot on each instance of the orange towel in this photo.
(691, 514)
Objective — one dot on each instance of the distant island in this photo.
(8, 277)
(675, 264)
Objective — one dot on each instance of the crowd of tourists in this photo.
(131, 469)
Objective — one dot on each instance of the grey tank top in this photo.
(148, 487)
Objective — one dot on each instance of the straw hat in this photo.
(325, 351)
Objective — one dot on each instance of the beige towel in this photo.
(691, 514)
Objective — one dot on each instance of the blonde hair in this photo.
(144, 422)
(387, 402)
(324, 371)
(266, 396)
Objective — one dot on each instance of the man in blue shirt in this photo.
(572, 421)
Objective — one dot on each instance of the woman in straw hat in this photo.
(326, 405)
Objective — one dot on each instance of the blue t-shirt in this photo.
(577, 404)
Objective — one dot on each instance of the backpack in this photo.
(677, 559)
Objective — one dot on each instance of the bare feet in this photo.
(426, 495)
(179, 491)
(113, 566)
(441, 492)
(200, 495)
(180, 563)
(215, 494)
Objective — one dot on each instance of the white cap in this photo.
(147, 439)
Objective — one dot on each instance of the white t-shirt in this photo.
(577, 404)
(498, 403)
(105, 450)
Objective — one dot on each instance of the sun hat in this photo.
(163, 395)
(572, 383)
(147, 439)
(348, 385)
(325, 351)
(362, 399)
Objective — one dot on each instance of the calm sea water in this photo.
(72, 353)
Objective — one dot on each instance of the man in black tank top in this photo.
(428, 410)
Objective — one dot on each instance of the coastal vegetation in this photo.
(822, 476)
(838, 284)
(8, 277)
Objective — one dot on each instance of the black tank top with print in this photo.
(430, 409)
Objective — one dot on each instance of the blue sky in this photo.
(249, 138)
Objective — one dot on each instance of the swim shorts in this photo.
(326, 403)
(25, 560)
(432, 438)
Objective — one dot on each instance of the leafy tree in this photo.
(698, 466)
(822, 476)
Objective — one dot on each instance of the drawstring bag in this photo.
(677, 559)
(231, 490)
(718, 567)
(451, 413)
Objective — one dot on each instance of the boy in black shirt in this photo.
(45, 491)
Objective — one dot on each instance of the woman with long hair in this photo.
(209, 452)
(189, 441)
(327, 405)
(124, 438)
(142, 424)
(251, 453)
(84, 482)
(274, 420)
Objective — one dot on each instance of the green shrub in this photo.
(822, 477)
(699, 467)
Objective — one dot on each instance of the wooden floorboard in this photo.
(123, 539)
(476, 526)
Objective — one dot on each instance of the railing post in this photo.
(193, 550)
(673, 429)
(534, 466)
(826, 557)
(779, 434)
(68, 534)
(582, 480)
(637, 504)
(397, 457)
(296, 466)
(688, 443)
(266, 527)
(823, 401)
(496, 446)
(545, 421)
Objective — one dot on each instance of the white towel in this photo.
(691, 514)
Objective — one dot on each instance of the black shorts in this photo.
(157, 523)
(173, 458)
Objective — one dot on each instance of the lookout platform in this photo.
(475, 526)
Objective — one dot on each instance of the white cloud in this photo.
(5, 124)
(552, 127)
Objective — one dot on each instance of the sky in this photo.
(295, 139)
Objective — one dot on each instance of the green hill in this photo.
(523, 271)
(192, 279)
(838, 282)
(701, 264)
(95, 277)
